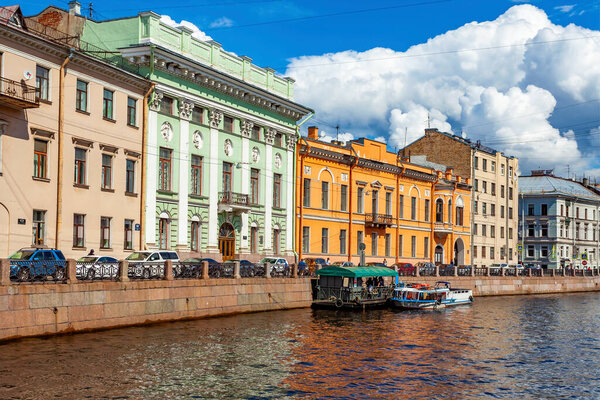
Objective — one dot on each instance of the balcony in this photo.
(442, 228)
(231, 201)
(378, 220)
(17, 94)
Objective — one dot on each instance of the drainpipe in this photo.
(142, 245)
(61, 123)
(432, 213)
(350, 205)
(397, 203)
(473, 202)
(301, 183)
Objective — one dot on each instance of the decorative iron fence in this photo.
(446, 271)
(146, 270)
(94, 271)
(410, 271)
(426, 271)
(463, 271)
(42, 270)
(480, 271)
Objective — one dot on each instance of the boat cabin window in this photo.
(330, 281)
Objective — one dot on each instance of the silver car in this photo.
(279, 266)
(97, 267)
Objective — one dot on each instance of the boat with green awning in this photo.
(353, 287)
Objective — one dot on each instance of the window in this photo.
(278, 139)
(483, 230)
(128, 235)
(482, 251)
(427, 207)
(449, 211)
(510, 171)
(502, 169)
(474, 251)
(107, 104)
(130, 176)
(413, 246)
(426, 247)
(388, 245)
(80, 157)
(474, 229)
(492, 249)
(502, 251)
(254, 240)
(305, 239)
(277, 190)
(477, 185)
(502, 191)
(530, 210)
(256, 132)
(374, 244)
(544, 252)
(562, 210)
(484, 184)
(342, 241)
(39, 227)
(501, 232)
(78, 230)
(484, 208)
(401, 206)
(40, 158)
(344, 198)
(131, 111)
(359, 239)
(360, 196)
(388, 203)
(196, 175)
(544, 229)
(475, 206)
(375, 201)
(413, 208)
(228, 124)
(42, 76)
(492, 231)
(493, 209)
(510, 193)
(530, 251)
(493, 166)
(194, 235)
(105, 232)
(493, 189)
(106, 171)
(306, 194)
(166, 105)
(576, 212)
(163, 233)
(81, 96)
(400, 246)
(510, 213)
(531, 230)
(545, 210)
(484, 164)
(476, 162)
(164, 176)
(501, 211)
(439, 210)
(459, 216)
(198, 115)
(276, 241)
(254, 173)
(325, 195)
(325, 240)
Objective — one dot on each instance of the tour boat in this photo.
(415, 296)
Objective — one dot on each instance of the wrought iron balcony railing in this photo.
(18, 94)
(234, 199)
(375, 219)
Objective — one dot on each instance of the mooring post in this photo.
(205, 274)
(267, 270)
(472, 270)
(488, 271)
(236, 270)
(455, 272)
(124, 271)
(168, 270)
(71, 272)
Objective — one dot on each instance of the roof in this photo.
(551, 185)
(356, 272)
(467, 142)
(422, 161)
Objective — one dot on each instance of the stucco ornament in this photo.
(270, 135)
(197, 140)
(291, 142)
(215, 118)
(277, 160)
(167, 131)
(247, 128)
(185, 109)
(156, 99)
(228, 148)
(255, 154)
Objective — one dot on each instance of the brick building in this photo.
(495, 189)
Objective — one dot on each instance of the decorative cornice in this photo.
(246, 127)
(186, 107)
(154, 104)
(291, 142)
(270, 135)
(215, 117)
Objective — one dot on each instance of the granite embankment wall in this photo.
(49, 308)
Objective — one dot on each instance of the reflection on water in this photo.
(502, 347)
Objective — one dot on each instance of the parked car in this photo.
(279, 266)
(376, 264)
(215, 268)
(37, 263)
(148, 264)
(345, 264)
(247, 269)
(97, 267)
(404, 269)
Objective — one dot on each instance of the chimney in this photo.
(585, 181)
(74, 7)
(458, 179)
(449, 174)
(313, 132)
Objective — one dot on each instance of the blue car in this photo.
(37, 263)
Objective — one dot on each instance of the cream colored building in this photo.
(70, 177)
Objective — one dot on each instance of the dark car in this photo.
(194, 267)
(247, 269)
(405, 269)
(37, 263)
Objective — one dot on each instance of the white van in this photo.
(149, 264)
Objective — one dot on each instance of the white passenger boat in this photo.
(415, 296)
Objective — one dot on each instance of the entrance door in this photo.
(227, 241)
(439, 254)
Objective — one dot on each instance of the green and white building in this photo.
(220, 145)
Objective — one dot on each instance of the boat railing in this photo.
(353, 294)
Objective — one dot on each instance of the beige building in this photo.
(70, 149)
(495, 192)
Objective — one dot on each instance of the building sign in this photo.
(584, 256)
(519, 247)
(21, 221)
(138, 227)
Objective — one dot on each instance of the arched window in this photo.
(164, 237)
(460, 207)
(439, 210)
(449, 211)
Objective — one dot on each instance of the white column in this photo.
(246, 132)
(289, 189)
(213, 183)
(151, 170)
(268, 242)
(185, 111)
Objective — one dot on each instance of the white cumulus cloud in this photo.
(222, 22)
(196, 32)
(519, 83)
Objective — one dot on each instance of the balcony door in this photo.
(227, 185)
(227, 241)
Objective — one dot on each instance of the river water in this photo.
(542, 347)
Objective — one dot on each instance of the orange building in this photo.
(362, 193)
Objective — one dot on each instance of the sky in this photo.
(521, 76)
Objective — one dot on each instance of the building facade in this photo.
(558, 222)
(494, 191)
(70, 148)
(221, 142)
(359, 193)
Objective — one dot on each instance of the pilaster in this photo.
(213, 194)
(289, 190)
(246, 131)
(185, 112)
(151, 170)
(268, 242)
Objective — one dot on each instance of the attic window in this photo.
(16, 21)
